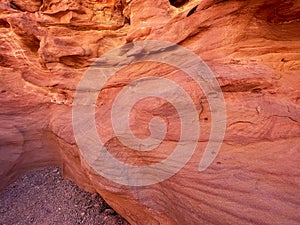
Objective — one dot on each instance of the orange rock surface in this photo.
(252, 47)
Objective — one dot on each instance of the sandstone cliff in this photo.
(253, 49)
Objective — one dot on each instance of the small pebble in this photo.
(109, 212)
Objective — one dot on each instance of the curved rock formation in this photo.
(252, 47)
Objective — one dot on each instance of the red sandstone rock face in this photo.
(252, 47)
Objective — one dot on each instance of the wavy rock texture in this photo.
(253, 48)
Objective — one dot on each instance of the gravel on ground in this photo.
(43, 197)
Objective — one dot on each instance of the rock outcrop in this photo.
(253, 49)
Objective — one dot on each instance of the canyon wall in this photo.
(253, 49)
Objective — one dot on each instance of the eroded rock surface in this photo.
(252, 47)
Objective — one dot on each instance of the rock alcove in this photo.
(252, 47)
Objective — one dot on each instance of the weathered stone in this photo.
(252, 47)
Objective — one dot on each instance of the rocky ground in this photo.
(44, 197)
